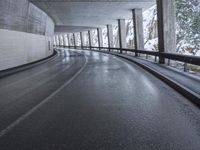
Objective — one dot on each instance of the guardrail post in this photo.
(138, 29)
(168, 62)
(122, 34)
(185, 67)
(155, 58)
(100, 38)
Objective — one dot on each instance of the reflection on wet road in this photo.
(111, 104)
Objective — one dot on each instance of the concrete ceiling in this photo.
(81, 15)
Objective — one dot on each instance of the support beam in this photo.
(64, 43)
(82, 39)
(54, 41)
(110, 36)
(90, 39)
(122, 34)
(138, 29)
(66, 40)
(166, 27)
(59, 39)
(69, 42)
(74, 38)
(100, 37)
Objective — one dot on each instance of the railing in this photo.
(195, 60)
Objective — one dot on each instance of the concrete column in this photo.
(66, 40)
(90, 39)
(74, 38)
(64, 43)
(100, 37)
(68, 37)
(82, 39)
(110, 36)
(138, 29)
(54, 41)
(122, 34)
(59, 40)
(60, 37)
(166, 27)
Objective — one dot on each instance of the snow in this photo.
(150, 35)
(152, 45)
(149, 19)
(198, 53)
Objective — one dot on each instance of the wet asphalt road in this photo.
(86, 100)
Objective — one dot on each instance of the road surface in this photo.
(83, 100)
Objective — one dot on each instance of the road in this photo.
(83, 100)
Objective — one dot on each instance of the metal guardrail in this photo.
(195, 60)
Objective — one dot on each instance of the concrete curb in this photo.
(189, 94)
(10, 71)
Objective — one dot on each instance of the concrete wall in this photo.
(26, 33)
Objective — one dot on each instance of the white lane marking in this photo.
(41, 83)
(24, 116)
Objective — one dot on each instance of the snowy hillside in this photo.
(187, 30)
(187, 44)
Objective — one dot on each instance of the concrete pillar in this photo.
(59, 38)
(90, 39)
(54, 41)
(110, 36)
(56, 38)
(74, 38)
(122, 34)
(69, 42)
(64, 43)
(166, 27)
(138, 29)
(82, 39)
(100, 37)
(59, 41)
(66, 40)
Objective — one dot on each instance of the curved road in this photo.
(85, 100)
